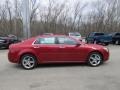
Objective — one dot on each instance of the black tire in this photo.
(113, 42)
(95, 62)
(29, 60)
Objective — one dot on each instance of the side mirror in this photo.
(78, 44)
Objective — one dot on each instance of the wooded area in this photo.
(61, 18)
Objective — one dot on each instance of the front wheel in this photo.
(28, 61)
(95, 59)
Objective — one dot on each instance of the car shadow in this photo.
(60, 65)
(42, 66)
(17, 66)
(67, 65)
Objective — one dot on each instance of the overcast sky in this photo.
(70, 3)
(45, 1)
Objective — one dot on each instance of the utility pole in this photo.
(26, 19)
(118, 6)
(16, 15)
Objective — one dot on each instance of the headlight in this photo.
(106, 49)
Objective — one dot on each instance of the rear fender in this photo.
(28, 51)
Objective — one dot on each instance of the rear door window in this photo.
(46, 40)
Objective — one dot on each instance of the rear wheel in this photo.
(95, 59)
(28, 61)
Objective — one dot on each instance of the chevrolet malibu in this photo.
(55, 49)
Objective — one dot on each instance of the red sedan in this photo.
(56, 49)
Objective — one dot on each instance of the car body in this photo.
(115, 38)
(55, 49)
(75, 35)
(6, 41)
(99, 38)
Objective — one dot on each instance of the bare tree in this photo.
(59, 17)
(8, 7)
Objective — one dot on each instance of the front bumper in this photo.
(106, 55)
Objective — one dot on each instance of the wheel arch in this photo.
(95, 51)
(30, 53)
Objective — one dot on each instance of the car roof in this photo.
(32, 39)
(55, 35)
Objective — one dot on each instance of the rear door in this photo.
(47, 49)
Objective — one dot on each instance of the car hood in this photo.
(94, 46)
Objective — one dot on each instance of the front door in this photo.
(69, 50)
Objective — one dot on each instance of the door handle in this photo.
(61, 47)
(36, 46)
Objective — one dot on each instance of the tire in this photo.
(95, 59)
(28, 61)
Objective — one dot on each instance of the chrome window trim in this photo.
(41, 44)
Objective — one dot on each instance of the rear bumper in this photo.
(12, 57)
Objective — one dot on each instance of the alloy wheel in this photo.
(28, 62)
(95, 59)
